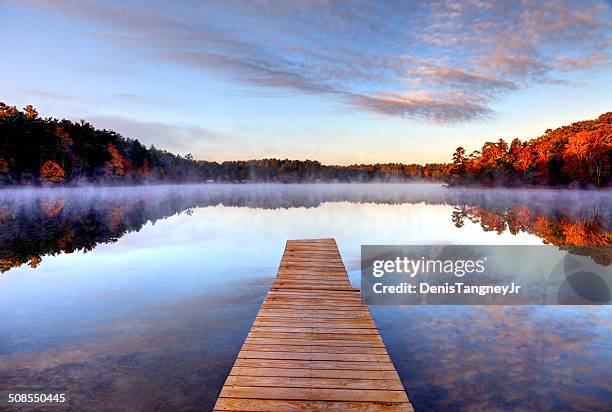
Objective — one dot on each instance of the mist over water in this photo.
(152, 316)
(296, 195)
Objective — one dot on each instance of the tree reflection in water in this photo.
(38, 223)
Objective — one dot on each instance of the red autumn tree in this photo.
(116, 164)
(524, 157)
(588, 152)
(52, 172)
(30, 111)
(6, 110)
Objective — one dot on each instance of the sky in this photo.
(341, 82)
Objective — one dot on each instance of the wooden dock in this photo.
(313, 345)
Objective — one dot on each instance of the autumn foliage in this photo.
(565, 231)
(64, 222)
(115, 166)
(52, 172)
(577, 156)
(35, 150)
(86, 154)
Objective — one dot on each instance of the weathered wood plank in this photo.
(321, 323)
(314, 373)
(331, 308)
(319, 383)
(283, 283)
(360, 395)
(307, 286)
(318, 356)
(311, 279)
(254, 347)
(316, 342)
(322, 336)
(307, 314)
(326, 294)
(304, 301)
(352, 331)
(310, 364)
(262, 405)
(289, 279)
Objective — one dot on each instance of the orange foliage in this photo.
(7, 263)
(552, 230)
(116, 165)
(581, 234)
(6, 111)
(64, 137)
(578, 155)
(52, 172)
(519, 218)
(30, 111)
(34, 261)
(493, 154)
(52, 208)
(492, 220)
(586, 152)
(524, 157)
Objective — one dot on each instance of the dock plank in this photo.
(313, 345)
(260, 405)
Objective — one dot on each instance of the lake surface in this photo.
(140, 298)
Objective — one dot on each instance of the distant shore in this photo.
(58, 152)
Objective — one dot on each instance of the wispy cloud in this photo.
(442, 61)
(178, 138)
(47, 94)
(439, 109)
(570, 63)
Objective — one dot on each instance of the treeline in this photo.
(35, 150)
(289, 171)
(577, 155)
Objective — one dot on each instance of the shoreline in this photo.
(237, 184)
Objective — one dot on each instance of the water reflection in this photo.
(153, 315)
(38, 223)
(165, 356)
(529, 358)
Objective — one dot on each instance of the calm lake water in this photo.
(140, 298)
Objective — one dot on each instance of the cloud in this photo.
(436, 109)
(371, 55)
(47, 94)
(460, 79)
(176, 138)
(118, 15)
(514, 65)
(568, 63)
